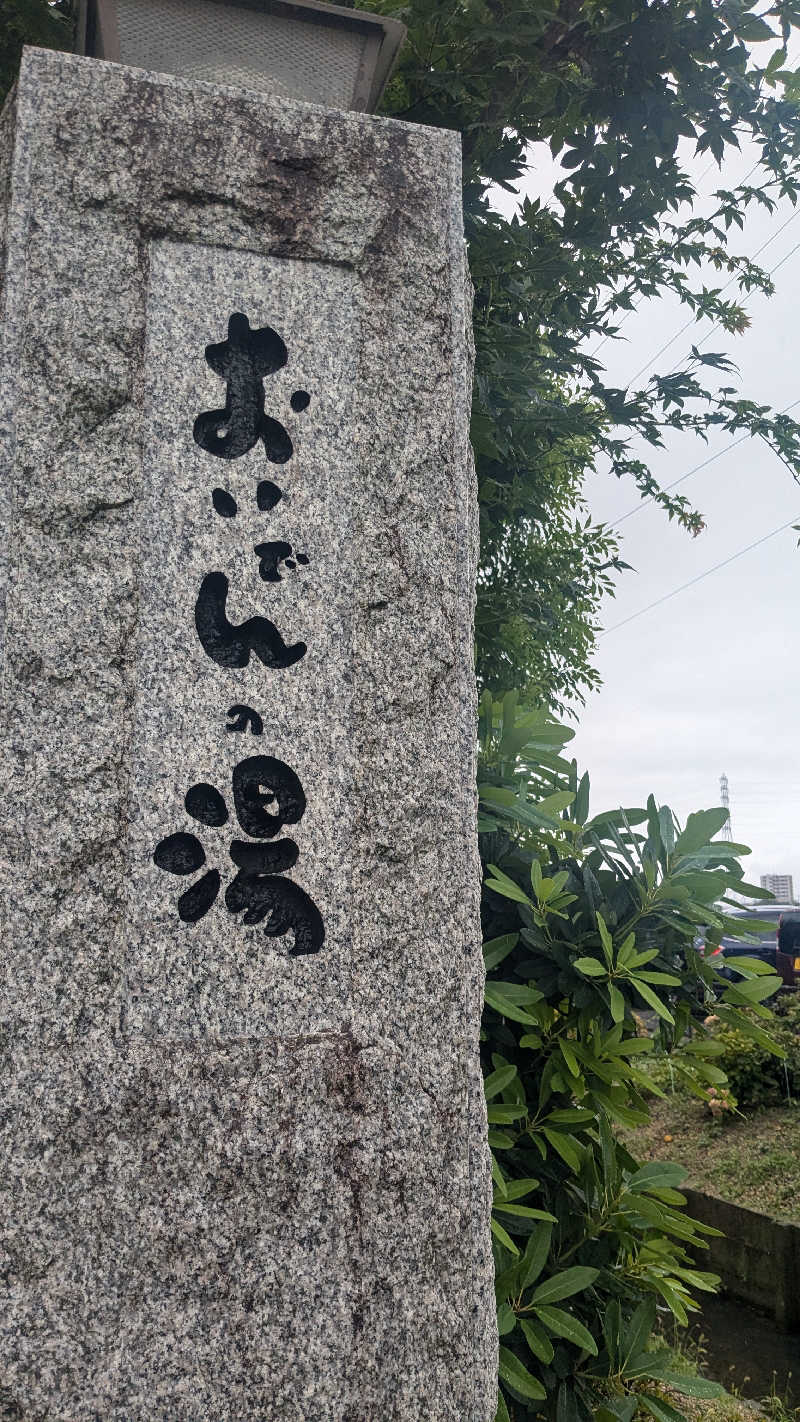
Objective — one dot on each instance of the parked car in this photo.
(785, 964)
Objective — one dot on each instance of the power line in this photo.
(639, 303)
(692, 581)
(695, 470)
(693, 319)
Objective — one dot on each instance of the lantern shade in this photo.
(299, 49)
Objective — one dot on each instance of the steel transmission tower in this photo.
(725, 801)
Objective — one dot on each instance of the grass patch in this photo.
(753, 1161)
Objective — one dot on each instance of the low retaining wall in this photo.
(758, 1259)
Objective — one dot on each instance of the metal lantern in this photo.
(299, 49)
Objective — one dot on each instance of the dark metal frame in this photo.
(97, 35)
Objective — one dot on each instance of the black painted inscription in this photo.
(229, 645)
(267, 495)
(243, 361)
(224, 503)
(267, 795)
(205, 804)
(271, 555)
(260, 783)
(244, 718)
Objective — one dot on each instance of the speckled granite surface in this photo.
(237, 1183)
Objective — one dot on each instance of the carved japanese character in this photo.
(243, 360)
(267, 795)
(229, 645)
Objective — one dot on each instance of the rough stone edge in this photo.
(484, 1319)
(17, 157)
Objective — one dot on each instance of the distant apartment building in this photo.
(780, 885)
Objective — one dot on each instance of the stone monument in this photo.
(245, 1170)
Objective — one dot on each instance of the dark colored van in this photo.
(780, 945)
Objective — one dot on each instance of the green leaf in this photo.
(605, 939)
(565, 1147)
(659, 1409)
(655, 1002)
(505, 1239)
(590, 968)
(690, 1386)
(500, 1140)
(497, 1081)
(753, 29)
(497, 949)
(537, 1341)
(513, 1372)
(563, 1325)
(507, 999)
(752, 989)
(501, 884)
(656, 1175)
(517, 1189)
(617, 1003)
(506, 1320)
(564, 1285)
(505, 1115)
(700, 828)
(524, 1211)
(501, 1415)
(535, 1256)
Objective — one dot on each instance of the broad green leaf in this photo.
(554, 803)
(505, 1115)
(502, 1414)
(500, 1140)
(497, 1081)
(658, 1408)
(513, 1372)
(655, 1002)
(505, 1239)
(656, 1174)
(535, 1256)
(518, 1189)
(563, 1325)
(564, 1146)
(497, 949)
(507, 999)
(501, 884)
(590, 968)
(564, 1285)
(700, 828)
(506, 1320)
(616, 1003)
(752, 990)
(537, 1341)
(690, 1386)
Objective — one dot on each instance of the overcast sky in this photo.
(709, 681)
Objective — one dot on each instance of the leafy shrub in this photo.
(587, 921)
(757, 1077)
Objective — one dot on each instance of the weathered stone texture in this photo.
(236, 1184)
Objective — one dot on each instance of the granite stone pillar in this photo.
(245, 1173)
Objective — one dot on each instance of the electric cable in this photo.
(693, 581)
(693, 319)
(639, 303)
(637, 508)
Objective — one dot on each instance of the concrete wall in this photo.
(758, 1259)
